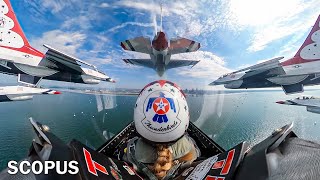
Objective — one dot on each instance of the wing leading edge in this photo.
(183, 45)
(66, 63)
(174, 63)
(67, 60)
(140, 62)
(267, 65)
(270, 67)
(139, 44)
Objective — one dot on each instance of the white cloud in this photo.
(292, 46)
(256, 13)
(73, 13)
(115, 28)
(72, 43)
(68, 42)
(80, 21)
(195, 28)
(269, 34)
(99, 60)
(57, 5)
(99, 43)
(210, 66)
(181, 18)
(54, 5)
(170, 8)
(151, 6)
(270, 20)
(104, 5)
(198, 55)
(273, 20)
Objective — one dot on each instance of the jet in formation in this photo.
(160, 51)
(21, 93)
(310, 102)
(292, 75)
(17, 57)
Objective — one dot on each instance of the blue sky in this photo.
(233, 34)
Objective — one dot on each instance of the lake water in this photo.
(227, 118)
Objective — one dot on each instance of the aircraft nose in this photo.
(52, 92)
(280, 102)
(213, 83)
(110, 80)
(216, 82)
(57, 92)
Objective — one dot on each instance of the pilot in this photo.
(161, 118)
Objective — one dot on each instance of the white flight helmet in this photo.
(161, 114)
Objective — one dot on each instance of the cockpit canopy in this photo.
(225, 75)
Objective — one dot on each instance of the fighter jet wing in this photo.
(62, 62)
(139, 44)
(65, 63)
(174, 63)
(264, 66)
(265, 69)
(140, 62)
(273, 67)
(183, 45)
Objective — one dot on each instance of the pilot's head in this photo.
(161, 113)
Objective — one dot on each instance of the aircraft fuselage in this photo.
(160, 53)
(21, 93)
(18, 57)
(160, 50)
(304, 74)
(311, 103)
(12, 68)
(292, 74)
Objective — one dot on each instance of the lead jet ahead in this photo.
(21, 93)
(292, 74)
(17, 57)
(160, 51)
(312, 103)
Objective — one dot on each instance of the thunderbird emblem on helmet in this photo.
(161, 106)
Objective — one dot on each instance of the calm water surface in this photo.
(227, 118)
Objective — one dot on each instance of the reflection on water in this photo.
(92, 119)
(252, 116)
(211, 105)
(105, 102)
(107, 134)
